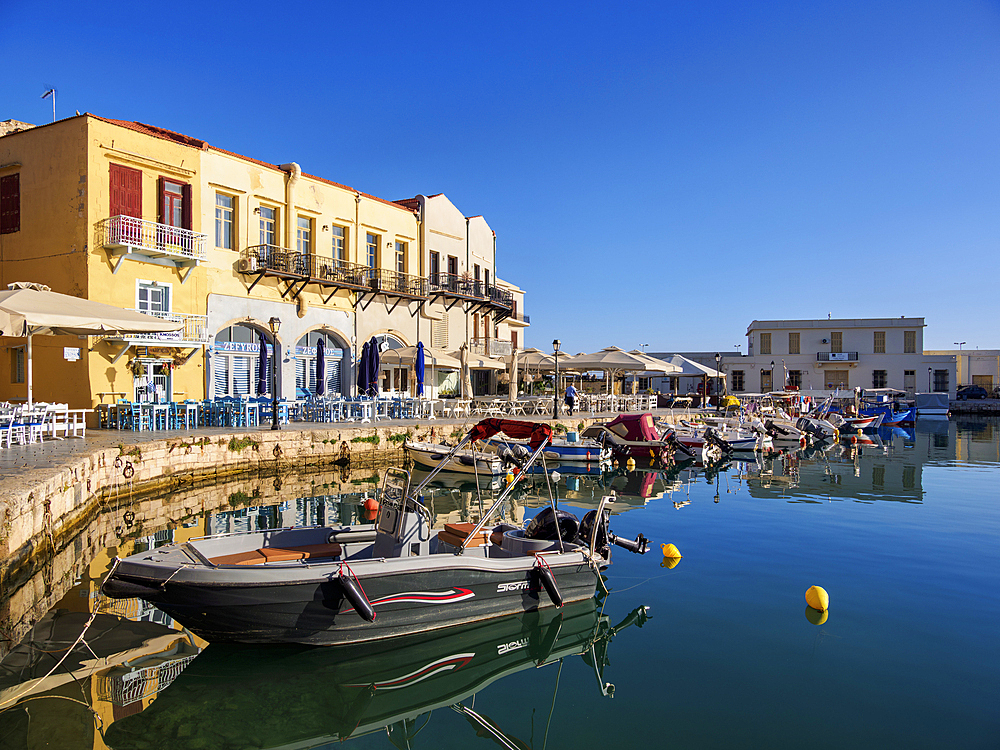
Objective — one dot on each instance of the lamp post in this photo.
(555, 383)
(929, 379)
(275, 325)
(718, 387)
(959, 344)
(772, 374)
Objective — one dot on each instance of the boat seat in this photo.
(455, 533)
(279, 554)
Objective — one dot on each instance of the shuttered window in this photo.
(220, 375)
(793, 343)
(125, 188)
(837, 341)
(439, 332)
(10, 204)
(765, 343)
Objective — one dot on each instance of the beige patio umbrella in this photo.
(463, 354)
(512, 388)
(612, 360)
(27, 309)
(435, 359)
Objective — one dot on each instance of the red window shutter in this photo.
(160, 198)
(186, 207)
(10, 203)
(125, 191)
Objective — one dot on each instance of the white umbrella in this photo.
(466, 375)
(27, 309)
(512, 392)
(612, 360)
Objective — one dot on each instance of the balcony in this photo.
(127, 237)
(194, 332)
(836, 356)
(481, 294)
(491, 347)
(519, 318)
(302, 269)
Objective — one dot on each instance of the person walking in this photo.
(570, 398)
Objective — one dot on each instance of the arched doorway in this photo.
(236, 359)
(336, 370)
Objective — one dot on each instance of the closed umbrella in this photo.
(419, 367)
(262, 364)
(512, 394)
(362, 365)
(320, 368)
(466, 374)
(27, 309)
(374, 358)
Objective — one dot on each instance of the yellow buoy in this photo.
(630, 464)
(670, 562)
(817, 598)
(670, 550)
(816, 617)
(510, 477)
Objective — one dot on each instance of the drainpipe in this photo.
(294, 173)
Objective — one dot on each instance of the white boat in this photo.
(465, 461)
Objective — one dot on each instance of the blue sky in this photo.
(658, 173)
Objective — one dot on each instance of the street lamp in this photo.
(555, 383)
(718, 397)
(275, 325)
(959, 344)
(643, 347)
(772, 374)
(929, 379)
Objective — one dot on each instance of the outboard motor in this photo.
(514, 455)
(714, 439)
(545, 525)
(670, 438)
(590, 520)
(775, 430)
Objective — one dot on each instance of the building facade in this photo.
(144, 218)
(844, 354)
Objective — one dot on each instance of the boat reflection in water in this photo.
(295, 696)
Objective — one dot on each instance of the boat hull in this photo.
(430, 456)
(261, 606)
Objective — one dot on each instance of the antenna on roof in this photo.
(46, 95)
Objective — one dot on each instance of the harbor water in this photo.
(716, 650)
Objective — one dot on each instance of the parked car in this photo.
(965, 392)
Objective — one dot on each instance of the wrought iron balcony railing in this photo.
(272, 260)
(450, 284)
(836, 356)
(128, 236)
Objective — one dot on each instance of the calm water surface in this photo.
(902, 533)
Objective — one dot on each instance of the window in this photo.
(175, 204)
(224, 221)
(476, 271)
(435, 267)
(513, 340)
(486, 277)
(152, 297)
(371, 243)
(439, 332)
(837, 341)
(339, 242)
(940, 381)
(878, 346)
(268, 226)
(17, 364)
(765, 343)
(795, 378)
(303, 234)
(453, 265)
(793, 343)
(737, 380)
(879, 379)
(10, 204)
(909, 342)
(401, 257)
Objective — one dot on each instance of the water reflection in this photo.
(133, 653)
(303, 697)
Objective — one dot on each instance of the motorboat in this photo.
(358, 583)
(465, 461)
(889, 402)
(727, 437)
(563, 450)
(635, 436)
(391, 686)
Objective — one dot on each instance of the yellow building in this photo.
(145, 218)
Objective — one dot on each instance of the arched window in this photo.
(235, 362)
(305, 364)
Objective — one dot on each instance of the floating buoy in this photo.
(816, 617)
(669, 562)
(510, 477)
(670, 550)
(371, 504)
(630, 464)
(818, 599)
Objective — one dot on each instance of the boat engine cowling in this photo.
(514, 455)
(714, 439)
(587, 524)
(545, 524)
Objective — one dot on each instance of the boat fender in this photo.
(548, 579)
(541, 648)
(355, 595)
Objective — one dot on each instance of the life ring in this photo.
(803, 442)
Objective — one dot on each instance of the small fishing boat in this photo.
(636, 436)
(356, 584)
(465, 461)
(889, 402)
(563, 450)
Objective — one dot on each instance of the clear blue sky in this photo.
(658, 173)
